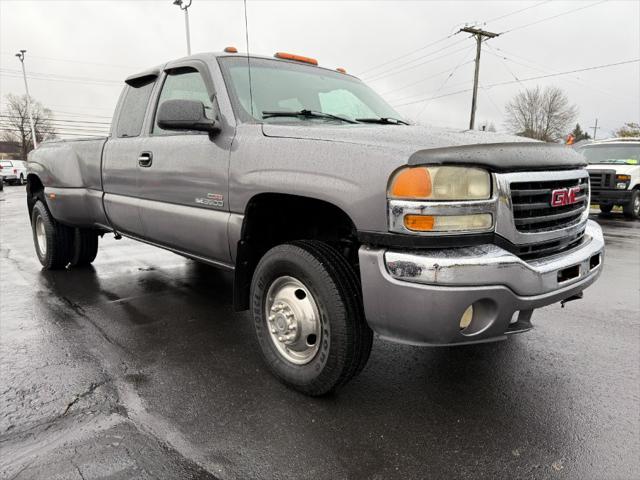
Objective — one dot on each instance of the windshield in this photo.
(278, 86)
(620, 154)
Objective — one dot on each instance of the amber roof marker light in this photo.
(341, 70)
(296, 58)
(231, 50)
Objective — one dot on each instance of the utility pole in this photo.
(479, 34)
(185, 7)
(595, 129)
(20, 56)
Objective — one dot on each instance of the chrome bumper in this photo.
(419, 297)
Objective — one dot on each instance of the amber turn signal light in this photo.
(411, 183)
(419, 223)
(297, 58)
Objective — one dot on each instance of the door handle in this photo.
(145, 159)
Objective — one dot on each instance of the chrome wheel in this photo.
(293, 320)
(41, 236)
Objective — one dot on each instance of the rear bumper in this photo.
(419, 297)
(610, 196)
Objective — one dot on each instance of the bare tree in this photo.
(540, 114)
(15, 126)
(629, 129)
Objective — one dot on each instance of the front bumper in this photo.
(610, 196)
(419, 297)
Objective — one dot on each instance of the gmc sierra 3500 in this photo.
(337, 218)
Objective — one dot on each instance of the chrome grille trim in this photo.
(509, 215)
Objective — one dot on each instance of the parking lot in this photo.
(138, 367)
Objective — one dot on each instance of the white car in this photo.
(13, 171)
(614, 170)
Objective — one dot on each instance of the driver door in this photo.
(183, 183)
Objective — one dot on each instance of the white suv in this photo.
(614, 169)
(13, 171)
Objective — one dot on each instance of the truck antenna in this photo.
(246, 32)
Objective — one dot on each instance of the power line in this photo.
(395, 72)
(551, 17)
(523, 80)
(407, 54)
(442, 86)
(515, 12)
(128, 67)
(16, 117)
(56, 132)
(77, 80)
(422, 79)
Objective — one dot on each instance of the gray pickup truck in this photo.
(337, 218)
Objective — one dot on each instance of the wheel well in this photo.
(272, 219)
(35, 190)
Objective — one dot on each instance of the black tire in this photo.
(606, 208)
(85, 247)
(21, 181)
(58, 239)
(632, 209)
(346, 339)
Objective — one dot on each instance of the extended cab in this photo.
(337, 218)
(614, 168)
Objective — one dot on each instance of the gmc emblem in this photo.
(564, 196)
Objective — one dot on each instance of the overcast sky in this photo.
(78, 52)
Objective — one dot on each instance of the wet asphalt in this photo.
(139, 368)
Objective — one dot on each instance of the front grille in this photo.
(602, 178)
(539, 250)
(532, 210)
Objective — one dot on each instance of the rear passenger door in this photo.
(183, 188)
(120, 157)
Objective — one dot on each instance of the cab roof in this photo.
(147, 75)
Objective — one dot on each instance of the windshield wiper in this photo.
(382, 121)
(306, 114)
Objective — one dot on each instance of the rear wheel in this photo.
(606, 208)
(21, 180)
(53, 241)
(85, 247)
(308, 317)
(632, 209)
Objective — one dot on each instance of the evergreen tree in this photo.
(579, 134)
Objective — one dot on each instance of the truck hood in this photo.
(398, 137)
(422, 145)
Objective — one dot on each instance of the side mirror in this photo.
(185, 115)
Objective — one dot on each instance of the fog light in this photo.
(467, 316)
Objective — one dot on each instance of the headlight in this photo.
(622, 181)
(440, 183)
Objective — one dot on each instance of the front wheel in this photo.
(632, 209)
(606, 208)
(308, 317)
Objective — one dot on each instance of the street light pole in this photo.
(185, 6)
(20, 56)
